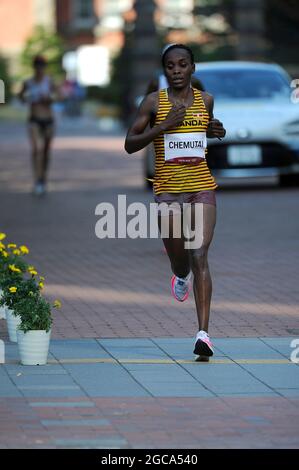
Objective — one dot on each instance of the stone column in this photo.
(250, 28)
(144, 50)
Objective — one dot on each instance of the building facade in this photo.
(81, 22)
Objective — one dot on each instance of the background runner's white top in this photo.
(36, 90)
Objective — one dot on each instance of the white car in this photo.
(253, 100)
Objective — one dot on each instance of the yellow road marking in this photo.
(88, 360)
(146, 361)
(263, 361)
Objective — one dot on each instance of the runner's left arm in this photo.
(21, 94)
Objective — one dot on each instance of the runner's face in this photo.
(39, 69)
(178, 68)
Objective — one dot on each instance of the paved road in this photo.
(121, 287)
(121, 372)
(150, 393)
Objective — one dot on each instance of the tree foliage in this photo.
(48, 44)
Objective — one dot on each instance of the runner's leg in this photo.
(48, 135)
(177, 253)
(202, 283)
(34, 141)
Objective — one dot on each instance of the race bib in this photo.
(186, 147)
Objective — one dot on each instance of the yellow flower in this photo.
(41, 285)
(2, 236)
(32, 270)
(42, 278)
(57, 304)
(11, 245)
(24, 249)
(5, 254)
(13, 289)
(2, 246)
(14, 269)
(16, 252)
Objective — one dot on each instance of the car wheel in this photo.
(287, 181)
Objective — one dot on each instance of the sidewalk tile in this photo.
(282, 345)
(288, 392)
(226, 378)
(7, 388)
(105, 380)
(177, 389)
(77, 348)
(55, 392)
(276, 375)
(246, 348)
(75, 422)
(134, 348)
(48, 369)
(92, 443)
(42, 380)
(62, 404)
(167, 380)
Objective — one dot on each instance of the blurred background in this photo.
(111, 48)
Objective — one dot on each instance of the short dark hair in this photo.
(39, 60)
(177, 46)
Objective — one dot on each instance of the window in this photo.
(244, 84)
(84, 9)
(83, 14)
(177, 14)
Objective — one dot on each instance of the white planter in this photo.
(33, 347)
(2, 309)
(13, 321)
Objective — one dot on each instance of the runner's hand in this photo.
(215, 129)
(174, 118)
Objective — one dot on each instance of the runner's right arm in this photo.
(137, 137)
(21, 94)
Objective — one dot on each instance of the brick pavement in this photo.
(190, 423)
(105, 289)
(121, 287)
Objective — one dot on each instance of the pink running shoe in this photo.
(203, 345)
(180, 287)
